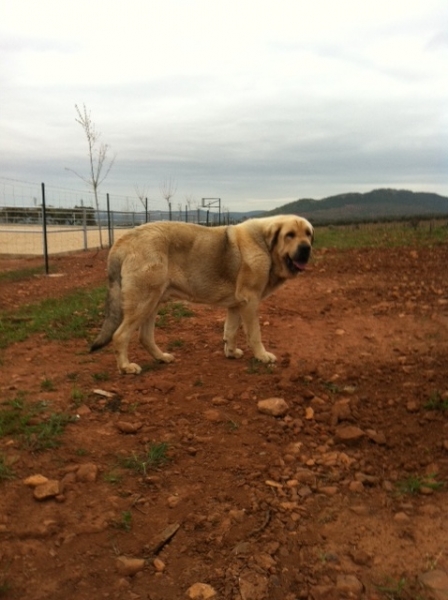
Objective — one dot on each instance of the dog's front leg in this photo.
(251, 324)
(231, 326)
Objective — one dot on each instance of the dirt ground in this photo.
(314, 504)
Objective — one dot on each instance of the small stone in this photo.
(172, 501)
(309, 413)
(349, 434)
(83, 410)
(128, 567)
(201, 591)
(349, 585)
(356, 487)
(377, 438)
(253, 586)
(360, 557)
(213, 415)
(159, 565)
(35, 480)
(275, 407)
(87, 472)
(46, 490)
(401, 517)
(127, 427)
(436, 582)
(412, 406)
(341, 411)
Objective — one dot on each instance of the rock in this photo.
(159, 565)
(341, 411)
(377, 438)
(201, 591)
(49, 489)
(412, 406)
(350, 586)
(349, 434)
(35, 480)
(436, 582)
(360, 557)
(275, 407)
(129, 566)
(253, 586)
(213, 415)
(127, 427)
(87, 472)
(401, 517)
(172, 501)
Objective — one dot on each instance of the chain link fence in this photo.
(41, 220)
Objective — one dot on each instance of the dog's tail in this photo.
(113, 310)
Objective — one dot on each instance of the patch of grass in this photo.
(391, 589)
(173, 310)
(175, 344)
(125, 522)
(77, 396)
(82, 452)
(59, 319)
(331, 387)
(414, 483)
(31, 425)
(5, 470)
(233, 425)
(112, 477)
(47, 385)
(256, 367)
(154, 457)
(21, 274)
(436, 402)
(103, 376)
(381, 235)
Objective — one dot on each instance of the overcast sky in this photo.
(256, 102)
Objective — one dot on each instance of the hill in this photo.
(371, 206)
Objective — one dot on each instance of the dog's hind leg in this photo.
(147, 340)
(231, 326)
(135, 315)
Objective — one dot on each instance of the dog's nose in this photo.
(303, 252)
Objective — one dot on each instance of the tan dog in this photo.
(232, 266)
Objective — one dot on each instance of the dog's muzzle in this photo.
(300, 259)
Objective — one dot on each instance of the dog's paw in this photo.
(131, 369)
(237, 353)
(267, 357)
(165, 357)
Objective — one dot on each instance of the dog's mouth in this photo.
(298, 262)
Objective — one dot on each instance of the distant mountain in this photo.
(378, 204)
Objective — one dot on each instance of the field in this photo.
(176, 477)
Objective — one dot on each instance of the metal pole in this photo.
(109, 228)
(146, 210)
(44, 225)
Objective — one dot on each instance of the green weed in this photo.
(125, 522)
(436, 402)
(113, 477)
(5, 470)
(414, 483)
(47, 385)
(71, 317)
(256, 367)
(172, 310)
(392, 590)
(103, 376)
(154, 457)
(31, 425)
(21, 274)
(77, 396)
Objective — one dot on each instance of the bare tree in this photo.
(168, 188)
(97, 158)
(142, 194)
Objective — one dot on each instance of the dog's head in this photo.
(290, 239)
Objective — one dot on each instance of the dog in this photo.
(233, 266)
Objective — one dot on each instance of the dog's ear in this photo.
(273, 234)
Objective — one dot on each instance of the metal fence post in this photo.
(44, 227)
(108, 221)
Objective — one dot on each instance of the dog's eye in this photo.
(291, 235)
(309, 233)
